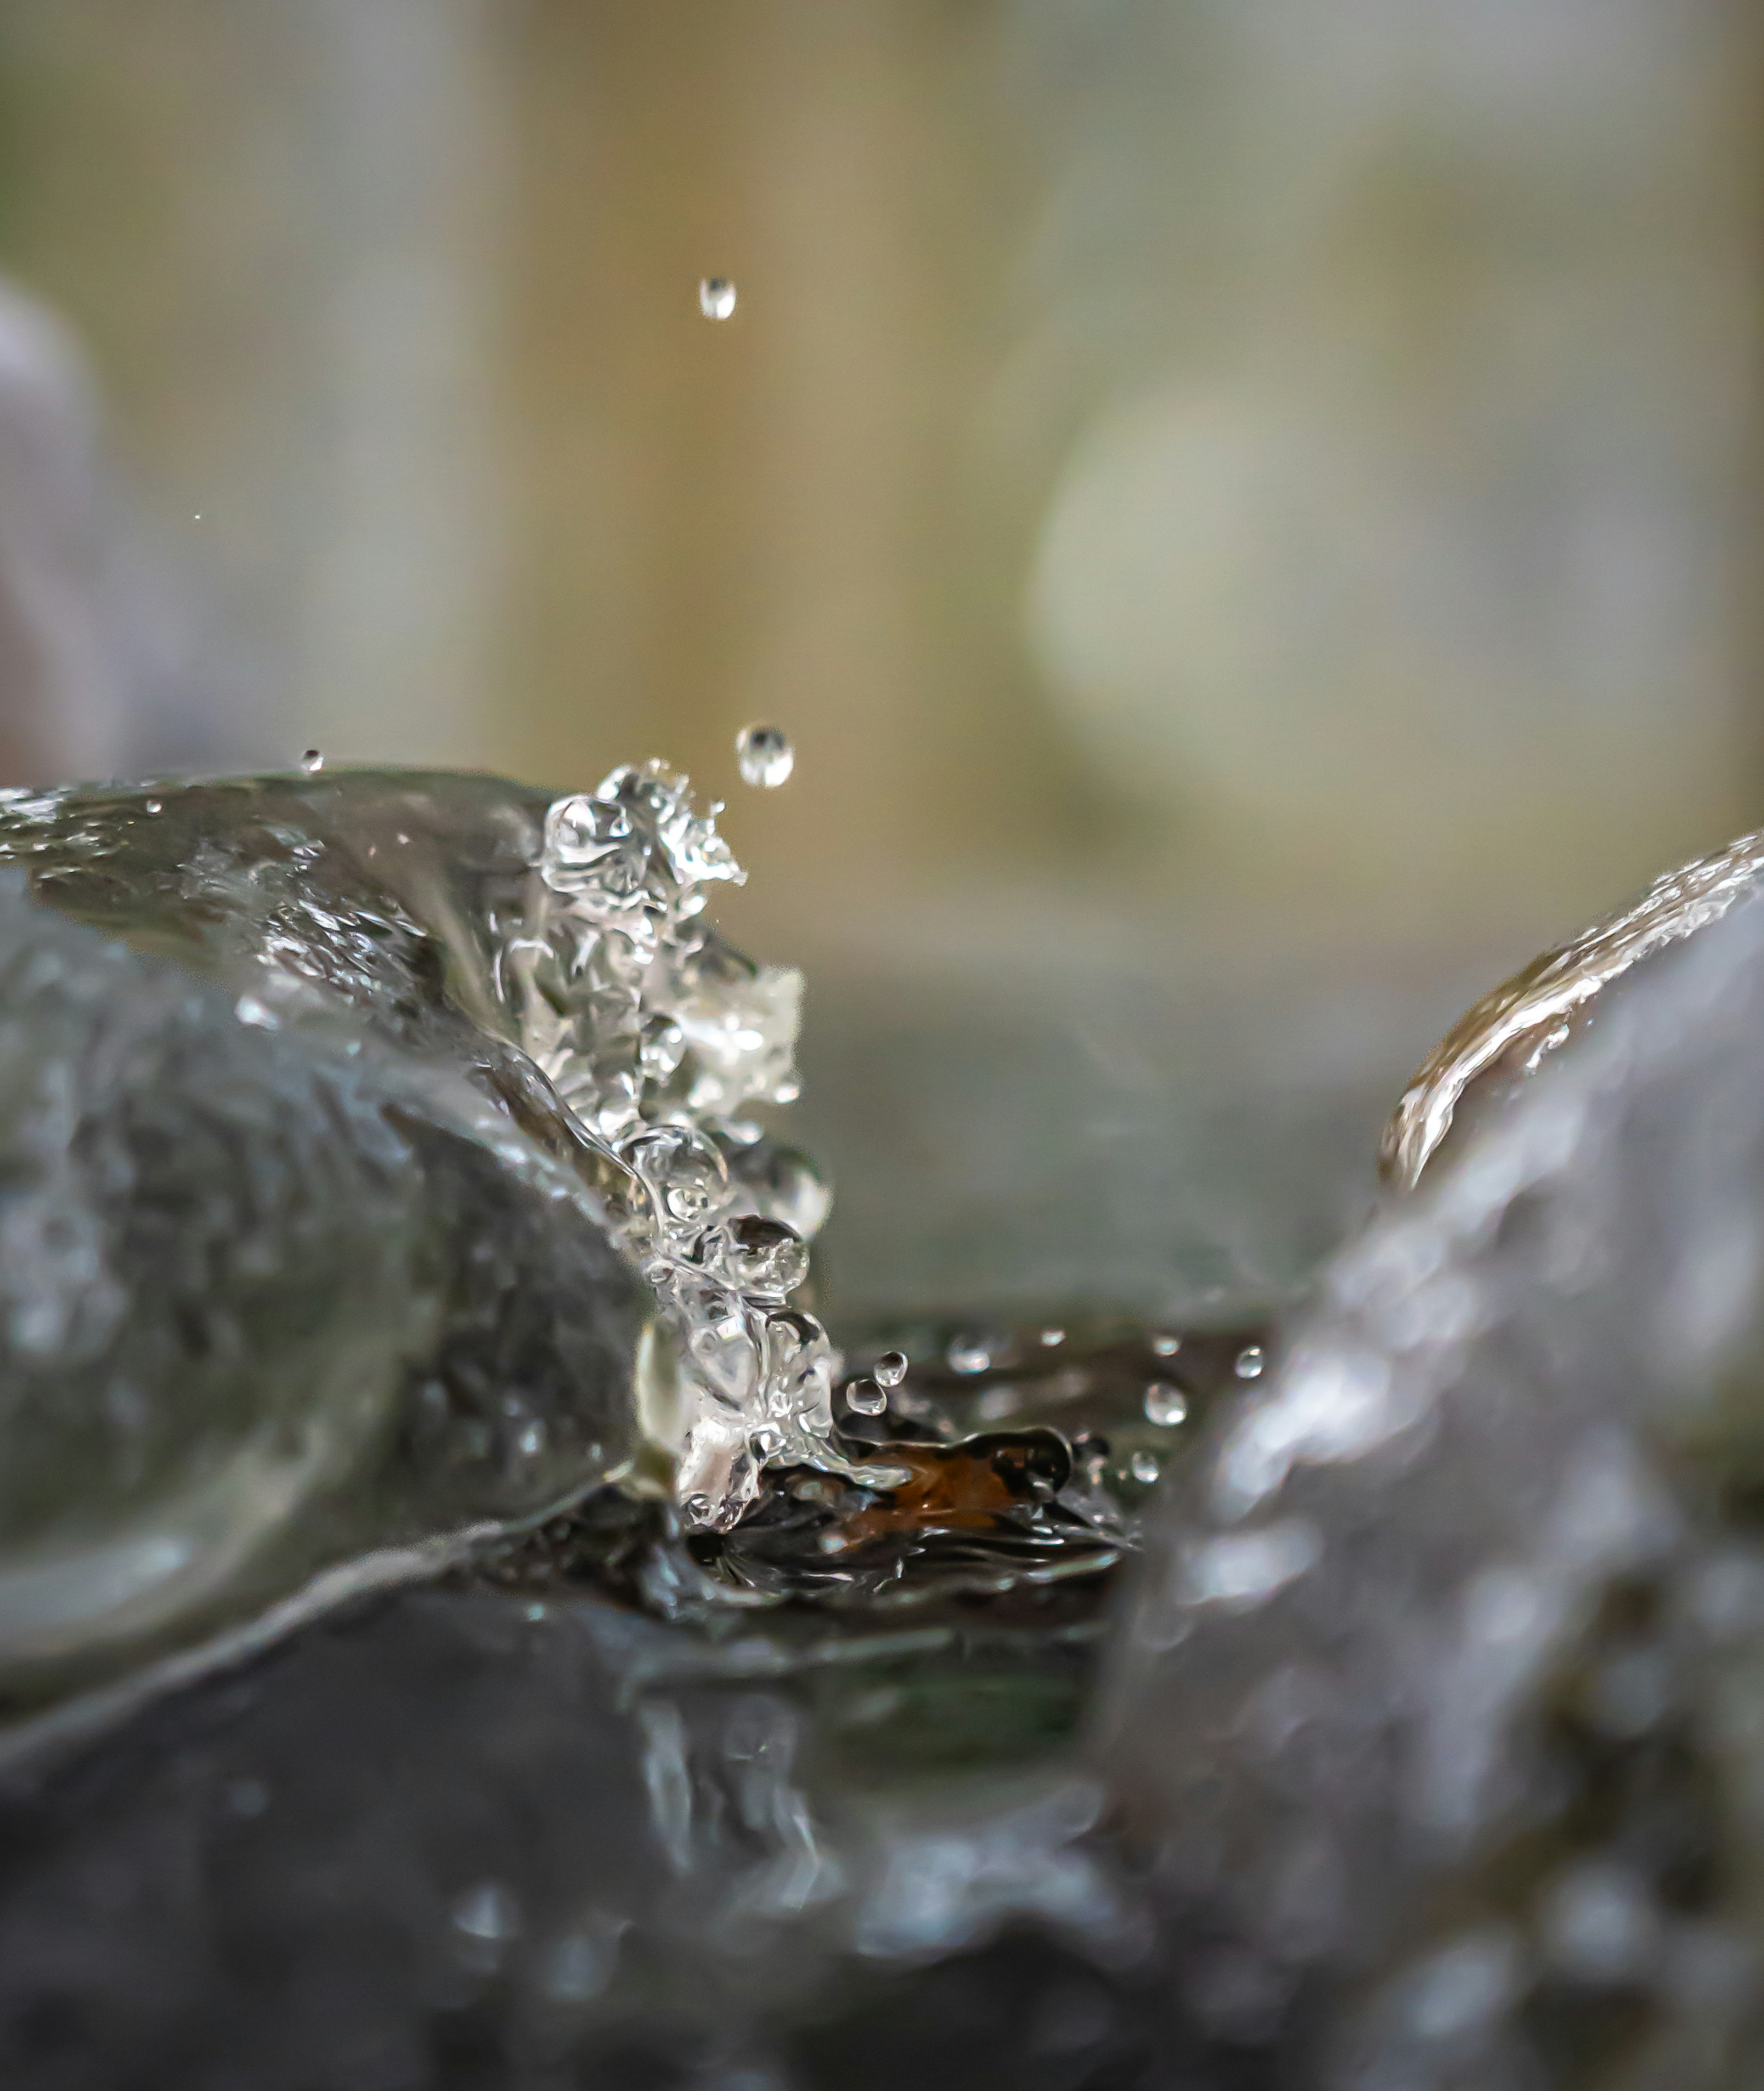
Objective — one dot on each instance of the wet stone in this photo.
(1435, 1711)
(299, 1264)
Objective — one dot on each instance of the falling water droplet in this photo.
(968, 1354)
(153, 806)
(1249, 1362)
(891, 1368)
(1050, 1337)
(766, 756)
(1166, 1405)
(716, 297)
(1166, 1347)
(313, 761)
(1145, 1467)
(864, 1398)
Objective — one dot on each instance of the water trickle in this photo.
(1249, 1362)
(313, 761)
(716, 297)
(1166, 1405)
(765, 757)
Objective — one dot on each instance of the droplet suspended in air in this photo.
(968, 1354)
(1166, 1347)
(863, 1397)
(1166, 1405)
(1249, 1362)
(891, 1367)
(313, 761)
(1050, 1337)
(766, 756)
(1145, 1467)
(716, 297)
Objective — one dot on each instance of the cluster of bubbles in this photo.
(662, 1039)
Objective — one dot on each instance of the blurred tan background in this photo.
(1247, 509)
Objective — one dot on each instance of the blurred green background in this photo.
(1247, 509)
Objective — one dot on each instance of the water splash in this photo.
(663, 1039)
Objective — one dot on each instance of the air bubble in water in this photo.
(763, 1257)
(1166, 1405)
(863, 1397)
(766, 756)
(891, 1368)
(313, 761)
(1249, 1362)
(716, 297)
(1145, 1467)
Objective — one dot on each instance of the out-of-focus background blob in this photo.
(1246, 513)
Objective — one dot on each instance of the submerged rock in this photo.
(452, 1839)
(299, 1257)
(1439, 1710)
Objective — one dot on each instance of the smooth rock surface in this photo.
(1439, 1708)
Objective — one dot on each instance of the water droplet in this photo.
(536, 1613)
(248, 1010)
(716, 297)
(1143, 1468)
(1166, 1405)
(891, 1368)
(1249, 1362)
(1166, 1347)
(313, 761)
(968, 1354)
(1050, 1337)
(765, 755)
(863, 1397)
(153, 806)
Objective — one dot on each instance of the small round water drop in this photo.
(863, 1397)
(1166, 1405)
(766, 756)
(1166, 1347)
(153, 806)
(313, 761)
(716, 297)
(1050, 1337)
(968, 1354)
(1249, 1362)
(891, 1368)
(1145, 1467)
